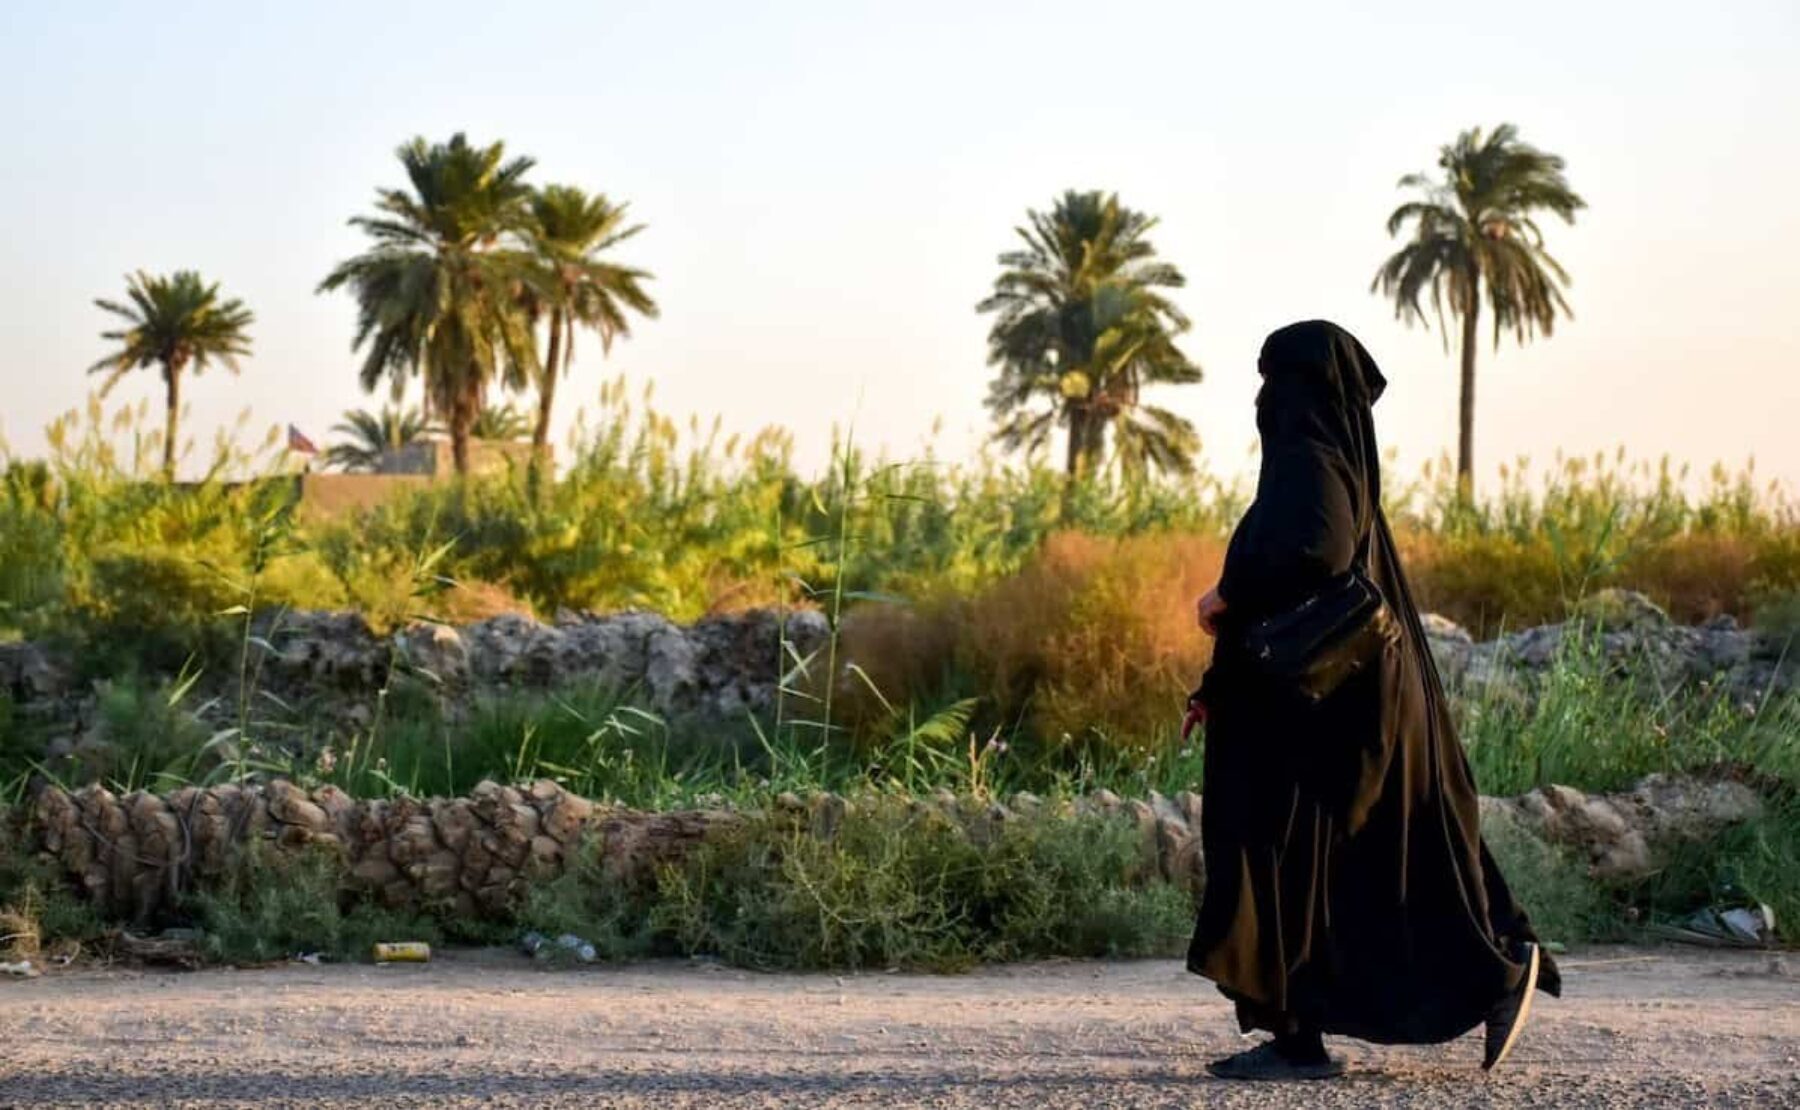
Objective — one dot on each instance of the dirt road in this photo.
(1663, 1028)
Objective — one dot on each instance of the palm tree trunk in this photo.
(462, 420)
(540, 437)
(1072, 456)
(1465, 440)
(1072, 460)
(172, 425)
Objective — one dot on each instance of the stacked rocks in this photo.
(135, 855)
(718, 667)
(1628, 631)
(477, 856)
(1624, 836)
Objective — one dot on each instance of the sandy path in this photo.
(1665, 1028)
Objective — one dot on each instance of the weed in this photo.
(38, 911)
(271, 905)
(903, 885)
(1565, 904)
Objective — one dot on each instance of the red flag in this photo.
(299, 443)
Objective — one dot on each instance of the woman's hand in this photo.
(1196, 716)
(1208, 611)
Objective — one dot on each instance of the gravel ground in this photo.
(1657, 1027)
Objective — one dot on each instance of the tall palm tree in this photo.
(1474, 237)
(437, 292)
(569, 231)
(177, 323)
(372, 435)
(1082, 326)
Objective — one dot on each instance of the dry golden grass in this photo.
(1091, 634)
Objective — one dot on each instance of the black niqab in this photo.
(1348, 888)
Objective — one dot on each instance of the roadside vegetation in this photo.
(1014, 623)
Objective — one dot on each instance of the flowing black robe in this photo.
(1347, 885)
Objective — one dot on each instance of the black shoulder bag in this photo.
(1335, 632)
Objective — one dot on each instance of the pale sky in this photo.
(827, 184)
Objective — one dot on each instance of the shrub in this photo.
(1758, 861)
(272, 905)
(1589, 726)
(1565, 904)
(1093, 643)
(38, 911)
(900, 885)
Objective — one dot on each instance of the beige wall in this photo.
(410, 468)
(327, 495)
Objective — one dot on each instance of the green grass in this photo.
(899, 885)
(1565, 904)
(1595, 726)
(893, 885)
(38, 910)
(273, 905)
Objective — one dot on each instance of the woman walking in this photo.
(1348, 890)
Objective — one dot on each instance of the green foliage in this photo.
(900, 885)
(1778, 618)
(273, 905)
(500, 422)
(1758, 861)
(1597, 727)
(589, 738)
(371, 435)
(1475, 237)
(1565, 904)
(1082, 326)
(687, 520)
(431, 290)
(586, 901)
(1532, 548)
(38, 910)
(176, 323)
(575, 284)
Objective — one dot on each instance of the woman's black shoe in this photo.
(1267, 1062)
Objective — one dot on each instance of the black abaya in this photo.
(1347, 886)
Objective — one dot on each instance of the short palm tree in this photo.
(372, 435)
(569, 233)
(176, 323)
(501, 423)
(437, 293)
(1474, 238)
(1082, 326)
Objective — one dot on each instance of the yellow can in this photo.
(406, 952)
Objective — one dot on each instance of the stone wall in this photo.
(134, 856)
(722, 667)
(719, 667)
(1627, 630)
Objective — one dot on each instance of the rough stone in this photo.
(134, 856)
(28, 674)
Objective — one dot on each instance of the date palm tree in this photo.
(177, 323)
(1082, 326)
(503, 422)
(437, 292)
(569, 232)
(372, 435)
(1475, 238)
